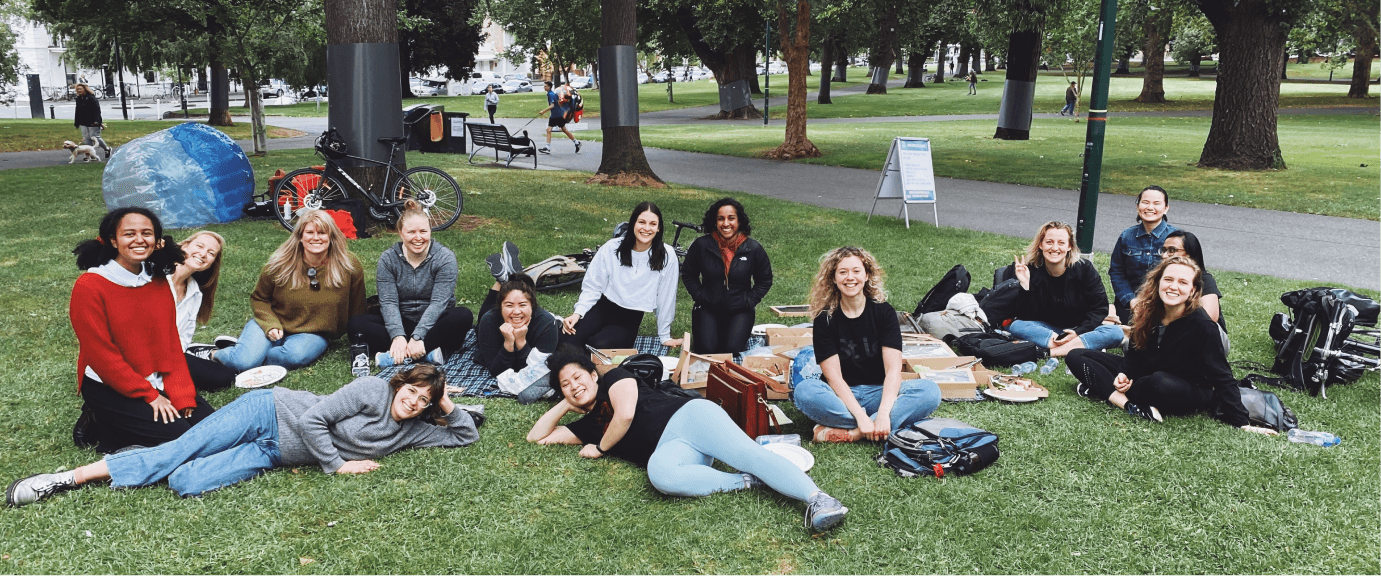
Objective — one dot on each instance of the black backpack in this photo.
(1313, 344)
(997, 350)
(956, 281)
(647, 368)
(938, 446)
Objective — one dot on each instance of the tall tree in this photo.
(262, 34)
(884, 47)
(1027, 20)
(1157, 22)
(1251, 36)
(557, 32)
(623, 161)
(437, 34)
(795, 42)
(725, 35)
(1192, 39)
(359, 32)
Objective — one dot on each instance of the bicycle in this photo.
(312, 188)
(676, 239)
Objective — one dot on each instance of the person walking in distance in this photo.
(88, 118)
(491, 103)
(973, 83)
(558, 103)
(1071, 98)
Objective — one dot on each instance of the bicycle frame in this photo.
(333, 169)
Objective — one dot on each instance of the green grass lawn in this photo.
(952, 97)
(1324, 154)
(1080, 487)
(17, 135)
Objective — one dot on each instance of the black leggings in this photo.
(720, 332)
(491, 108)
(209, 375)
(121, 421)
(448, 333)
(1171, 394)
(606, 325)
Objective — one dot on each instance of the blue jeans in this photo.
(233, 444)
(255, 349)
(917, 399)
(1101, 338)
(700, 433)
(1068, 109)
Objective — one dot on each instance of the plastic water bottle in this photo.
(1023, 368)
(1324, 439)
(1050, 365)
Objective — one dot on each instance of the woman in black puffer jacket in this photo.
(724, 307)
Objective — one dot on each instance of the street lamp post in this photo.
(1097, 126)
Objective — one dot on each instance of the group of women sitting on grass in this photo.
(139, 373)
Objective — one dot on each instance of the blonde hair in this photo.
(1150, 310)
(209, 278)
(288, 264)
(412, 208)
(1033, 252)
(824, 295)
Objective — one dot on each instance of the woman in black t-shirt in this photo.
(675, 438)
(1173, 365)
(858, 345)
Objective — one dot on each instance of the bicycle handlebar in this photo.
(680, 224)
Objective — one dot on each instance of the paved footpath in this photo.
(1321, 249)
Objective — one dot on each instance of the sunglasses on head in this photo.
(311, 275)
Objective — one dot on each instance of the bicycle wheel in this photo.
(437, 192)
(303, 189)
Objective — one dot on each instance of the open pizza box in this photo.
(607, 359)
(958, 378)
(794, 337)
(775, 367)
(693, 370)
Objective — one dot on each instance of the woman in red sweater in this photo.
(131, 371)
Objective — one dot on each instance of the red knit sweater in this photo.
(128, 333)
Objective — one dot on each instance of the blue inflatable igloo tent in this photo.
(189, 175)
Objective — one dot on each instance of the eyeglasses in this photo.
(311, 275)
(1169, 251)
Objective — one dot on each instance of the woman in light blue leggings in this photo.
(676, 438)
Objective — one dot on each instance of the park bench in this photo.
(496, 136)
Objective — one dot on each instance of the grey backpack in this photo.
(946, 323)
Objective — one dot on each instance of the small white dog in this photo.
(80, 150)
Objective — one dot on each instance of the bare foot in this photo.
(827, 434)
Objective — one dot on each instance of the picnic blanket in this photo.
(464, 372)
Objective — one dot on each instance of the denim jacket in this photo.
(1136, 253)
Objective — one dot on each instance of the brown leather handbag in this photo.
(743, 395)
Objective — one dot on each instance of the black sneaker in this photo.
(203, 351)
(1082, 390)
(496, 267)
(37, 487)
(824, 512)
(544, 150)
(1147, 412)
(577, 146)
(222, 342)
(84, 431)
(510, 259)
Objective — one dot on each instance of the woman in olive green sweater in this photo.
(306, 293)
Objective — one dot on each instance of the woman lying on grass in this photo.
(265, 429)
(674, 437)
(1175, 364)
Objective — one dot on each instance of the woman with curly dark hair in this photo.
(726, 274)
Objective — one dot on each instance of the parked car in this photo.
(482, 86)
(660, 77)
(643, 78)
(581, 82)
(514, 86)
(523, 77)
(312, 91)
(273, 88)
(422, 87)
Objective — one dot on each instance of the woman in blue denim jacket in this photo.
(1138, 248)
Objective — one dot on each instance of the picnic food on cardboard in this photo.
(607, 359)
(777, 368)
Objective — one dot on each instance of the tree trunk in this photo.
(940, 63)
(622, 161)
(841, 65)
(1361, 64)
(965, 54)
(1251, 47)
(1153, 56)
(826, 58)
(1019, 89)
(1284, 62)
(405, 66)
(915, 63)
(735, 101)
(988, 62)
(350, 22)
(976, 60)
(218, 103)
(1124, 64)
(748, 62)
(898, 59)
(796, 48)
(1194, 65)
(886, 48)
(258, 131)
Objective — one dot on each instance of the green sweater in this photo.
(303, 310)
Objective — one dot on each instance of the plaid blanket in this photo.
(474, 380)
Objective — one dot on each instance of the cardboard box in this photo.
(792, 310)
(601, 366)
(794, 337)
(923, 364)
(954, 382)
(685, 378)
(767, 366)
(912, 348)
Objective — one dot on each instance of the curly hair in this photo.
(824, 294)
(1150, 310)
(93, 253)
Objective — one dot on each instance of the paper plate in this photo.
(799, 456)
(1013, 395)
(260, 377)
(761, 329)
(668, 365)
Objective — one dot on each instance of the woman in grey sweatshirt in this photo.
(266, 429)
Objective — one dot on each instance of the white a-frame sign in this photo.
(908, 175)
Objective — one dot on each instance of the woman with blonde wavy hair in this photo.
(307, 292)
(858, 345)
(194, 283)
(1062, 304)
(1175, 364)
